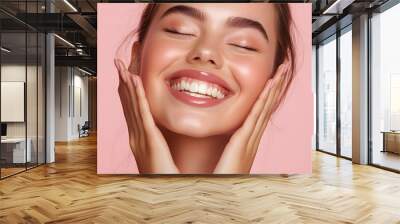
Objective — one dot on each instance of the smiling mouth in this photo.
(198, 88)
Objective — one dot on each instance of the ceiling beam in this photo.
(337, 7)
(84, 61)
(84, 24)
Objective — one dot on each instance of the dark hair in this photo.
(285, 41)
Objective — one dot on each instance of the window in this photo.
(385, 88)
(327, 96)
(346, 93)
(22, 65)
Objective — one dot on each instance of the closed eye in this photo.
(172, 31)
(244, 47)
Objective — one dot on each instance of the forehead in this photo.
(264, 13)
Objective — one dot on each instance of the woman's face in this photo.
(204, 65)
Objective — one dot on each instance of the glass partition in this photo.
(346, 93)
(14, 153)
(41, 107)
(385, 89)
(327, 95)
(31, 100)
(22, 77)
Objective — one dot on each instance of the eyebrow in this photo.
(240, 22)
(186, 10)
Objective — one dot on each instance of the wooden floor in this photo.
(5, 172)
(387, 159)
(70, 191)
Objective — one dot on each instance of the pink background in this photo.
(286, 143)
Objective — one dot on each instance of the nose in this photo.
(205, 53)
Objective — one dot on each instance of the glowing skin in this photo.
(210, 49)
(204, 70)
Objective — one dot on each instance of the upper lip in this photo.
(201, 76)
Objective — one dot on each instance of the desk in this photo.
(391, 141)
(15, 148)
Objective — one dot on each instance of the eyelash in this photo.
(244, 47)
(188, 34)
(176, 32)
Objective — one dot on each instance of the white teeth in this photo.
(209, 91)
(219, 95)
(214, 92)
(202, 88)
(193, 87)
(198, 89)
(185, 85)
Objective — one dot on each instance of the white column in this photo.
(360, 90)
(50, 99)
(50, 92)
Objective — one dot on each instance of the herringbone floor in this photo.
(70, 191)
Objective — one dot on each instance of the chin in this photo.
(195, 128)
(190, 127)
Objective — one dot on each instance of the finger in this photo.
(268, 109)
(121, 70)
(276, 89)
(259, 134)
(265, 97)
(133, 111)
(132, 86)
(130, 120)
(250, 124)
(144, 108)
(162, 156)
(131, 100)
(124, 97)
(281, 90)
(251, 119)
(285, 86)
(275, 102)
(135, 102)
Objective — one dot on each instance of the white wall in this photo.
(33, 126)
(17, 73)
(71, 93)
(80, 84)
(62, 81)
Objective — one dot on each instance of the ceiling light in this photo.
(5, 50)
(70, 5)
(65, 41)
(84, 71)
(337, 7)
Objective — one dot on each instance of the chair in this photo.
(84, 130)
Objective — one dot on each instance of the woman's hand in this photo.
(239, 153)
(147, 143)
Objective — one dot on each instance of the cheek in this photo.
(251, 75)
(158, 54)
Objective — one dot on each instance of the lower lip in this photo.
(195, 101)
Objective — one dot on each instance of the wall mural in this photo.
(211, 88)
